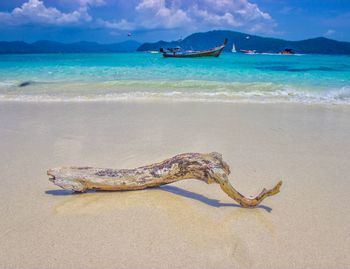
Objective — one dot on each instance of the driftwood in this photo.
(209, 168)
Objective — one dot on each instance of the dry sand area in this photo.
(183, 225)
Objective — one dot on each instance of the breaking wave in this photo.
(186, 90)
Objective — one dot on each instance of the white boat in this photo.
(248, 51)
(233, 48)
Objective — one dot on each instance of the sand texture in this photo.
(187, 224)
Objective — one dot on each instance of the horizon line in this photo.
(160, 40)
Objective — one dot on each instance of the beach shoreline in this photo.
(233, 77)
(187, 224)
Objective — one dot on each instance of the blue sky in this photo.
(108, 21)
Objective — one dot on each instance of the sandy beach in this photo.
(183, 225)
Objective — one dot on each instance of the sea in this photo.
(232, 77)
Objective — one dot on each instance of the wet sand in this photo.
(187, 224)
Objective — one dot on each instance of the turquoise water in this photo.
(229, 78)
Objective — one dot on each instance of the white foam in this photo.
(200, 91)
(8, 83)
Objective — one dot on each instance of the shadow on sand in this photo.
(171, 189)
(204, 199)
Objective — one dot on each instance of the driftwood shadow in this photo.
(204, 199)
(61, 193)
(171, 189)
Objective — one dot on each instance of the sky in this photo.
(107, 21)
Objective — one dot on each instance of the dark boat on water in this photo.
(178, 53)
(288, 52)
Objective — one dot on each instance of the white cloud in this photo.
(34, 11)
(196, 15)
(157, 14)
(240, 9)
(91, 2)
(188, 15)
(208, 18)
(329, 32)
(117, 25)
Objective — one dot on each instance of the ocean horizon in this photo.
(232, 77)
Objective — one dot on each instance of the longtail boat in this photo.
(178, 53)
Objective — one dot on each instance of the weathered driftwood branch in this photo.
(209, 168)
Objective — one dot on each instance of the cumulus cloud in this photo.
(191, 15)
(329, 32)
(159, 14)
(35, 11)
(197, 15)
(91, 2)
(117, 25)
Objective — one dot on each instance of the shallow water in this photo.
(125, 76)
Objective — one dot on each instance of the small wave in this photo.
(189, 90)
(286, 68)
(8, 83)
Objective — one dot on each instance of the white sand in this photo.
(184, 225)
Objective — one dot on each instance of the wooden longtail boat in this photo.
(178, 53)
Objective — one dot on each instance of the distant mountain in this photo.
(44, 46)
(195, 41)
(244, 41)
